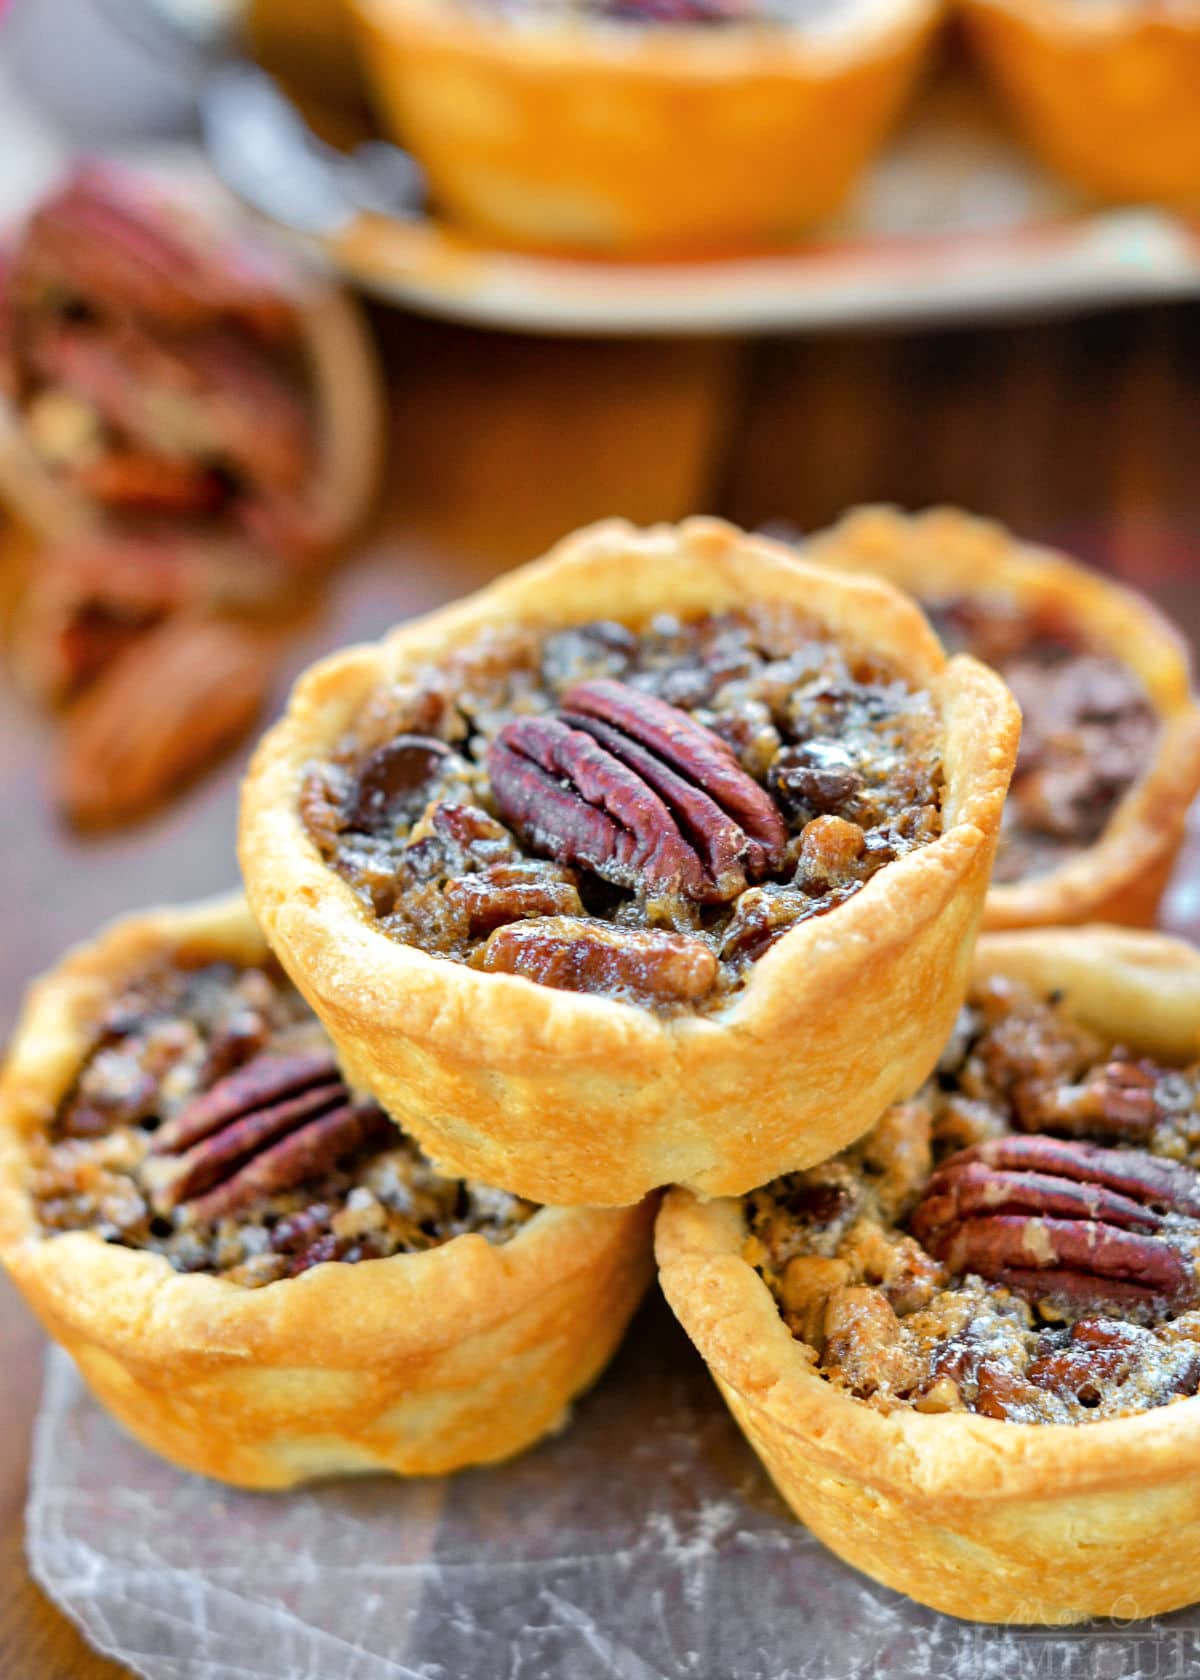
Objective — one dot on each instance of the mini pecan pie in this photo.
(1110, 747)
(968, 1348)
(166, 375)
(254, 1269)
(642, 127)
(605, 876)
(1106, 94)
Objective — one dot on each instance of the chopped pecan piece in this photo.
(175, 698)
(637, 792)
(1061, 1220)
(587, 956)
(267, 1127)
(512, 892)
(1116, 1101)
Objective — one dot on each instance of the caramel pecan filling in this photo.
(639, 814)
(1088, 728)
(1022, 1239)
(209, 1124)
(158, 372)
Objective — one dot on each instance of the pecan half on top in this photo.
(1029, 1276)
(272, 1124)
(638, 792)
(209, 1124)
(1064, 1221)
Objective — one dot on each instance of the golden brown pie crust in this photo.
(583, 135)
(1106, 93)
(419, 1364)
(1123, 876)
(979, 1517)
(347, 400)
(565, 1097)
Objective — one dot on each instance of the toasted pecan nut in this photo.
(174, 699)
(266, 1127)
(513, 892)
(1054, 1219)
(588, 956)
(638, 792)
(109, 236)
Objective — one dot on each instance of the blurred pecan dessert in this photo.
(983, 1319)
(174, 1123)
(640, 773)
(1110, 743)
(1105, 95)
(776, 106)
(1088, 727)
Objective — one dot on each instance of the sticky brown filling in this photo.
(1089, 729)
(635, 813)
(208, 1123)
(1021, 1239)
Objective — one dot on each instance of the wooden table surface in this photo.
(1082, 434)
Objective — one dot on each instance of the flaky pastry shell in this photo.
(347, 398)
(1105, 92)
(1122, 877)
(982, 1518)
(567, 1097)
(579, 134)
(419, 1363)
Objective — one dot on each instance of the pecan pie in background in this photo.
(1110, 748)
(257, 1273)
(192, 427)
(1105, 94)
(633, 127)
(658, 860)
(968, 1349)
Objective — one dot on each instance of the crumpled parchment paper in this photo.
(642, 1543)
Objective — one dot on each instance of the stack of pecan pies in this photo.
(190, 425)
(657, 863)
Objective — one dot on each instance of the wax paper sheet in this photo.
(642, 1543)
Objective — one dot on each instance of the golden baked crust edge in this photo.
(570, 1098)
(418, 1364)
(1122, 877)
(981, 1518)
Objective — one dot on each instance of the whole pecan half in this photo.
(271, 1125)
(638, 792)
(1062, 1220)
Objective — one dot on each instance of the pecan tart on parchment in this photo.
(968, 1348)
(256, 1272)
(657, 861)
(1110, 743)
(642, 127)
(1103, 90)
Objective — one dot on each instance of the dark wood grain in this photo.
(1082, 434)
